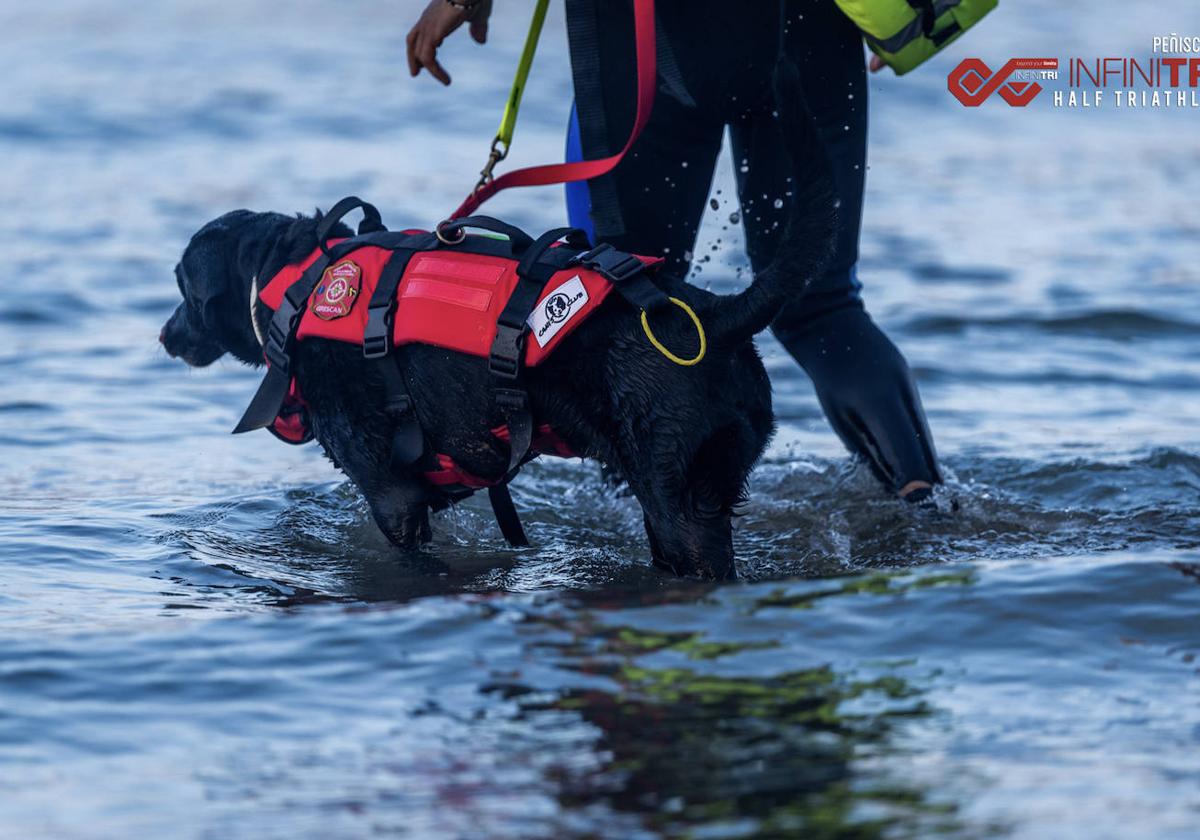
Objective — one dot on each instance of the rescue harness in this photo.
(474, 294)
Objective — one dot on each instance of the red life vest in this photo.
(447, 298)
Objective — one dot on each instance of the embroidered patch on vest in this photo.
(559, 307)
(335, 295)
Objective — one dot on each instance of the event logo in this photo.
(1169, 78)
(972, 82)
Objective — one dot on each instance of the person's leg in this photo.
(863, 382)
(653, 202)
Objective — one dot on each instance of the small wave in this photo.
(1117, 323)
(25, 407)
(980, 274)
(830, 518)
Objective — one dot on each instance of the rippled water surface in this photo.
(205, 636)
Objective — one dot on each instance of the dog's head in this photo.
(214, 277)
(213, 318)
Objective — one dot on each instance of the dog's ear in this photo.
(205, 277)
(207, 266)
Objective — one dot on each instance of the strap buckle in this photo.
(377, 334)
(283, 325)
(504, 361)
(511, 399)
(398, 405)
(277, 338)
(616, 266)
(275, 349)
(277, 357)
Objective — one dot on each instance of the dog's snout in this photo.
(169, 336)
(181, 340)
(693, 548)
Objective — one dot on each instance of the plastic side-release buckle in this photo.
(617, 266)
(282, 327)
(277, 357)
(504, 360)
(377, 334)
(275, 350)
(398, 405)
(511, 399)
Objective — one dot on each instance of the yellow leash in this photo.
(508, 122)
(661, 348)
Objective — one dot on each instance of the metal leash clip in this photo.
(495, 156)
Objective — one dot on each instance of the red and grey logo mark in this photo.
(972, 81)
(335, 294)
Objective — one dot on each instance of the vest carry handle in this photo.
(574, 237)
(520, 239)
(371, 222)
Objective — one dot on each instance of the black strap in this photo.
(506, 356)
(408, 439)
(264, 408)
(506, 515)
(945, 33)
(504, 359)
(377, 336)
(927, 12)
(372, 222)
(513, 404)
(627, 274)
(505, 362)
(508, 347)
(575, 237)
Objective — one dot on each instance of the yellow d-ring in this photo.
(661, 348)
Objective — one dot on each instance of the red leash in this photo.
(559, 173)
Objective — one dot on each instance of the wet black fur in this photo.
(685, 438)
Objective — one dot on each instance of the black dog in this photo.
(685, 438)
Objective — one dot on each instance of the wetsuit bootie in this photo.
(868, 394)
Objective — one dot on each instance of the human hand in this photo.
(439, 19)
(876, 64)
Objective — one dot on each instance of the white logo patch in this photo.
(558, 307)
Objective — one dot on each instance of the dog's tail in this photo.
(807, 240)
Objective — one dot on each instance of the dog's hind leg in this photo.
(401, 510)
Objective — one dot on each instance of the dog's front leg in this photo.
(401, 510)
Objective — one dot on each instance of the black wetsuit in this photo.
(716, 60)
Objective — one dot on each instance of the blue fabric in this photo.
(579, 201)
